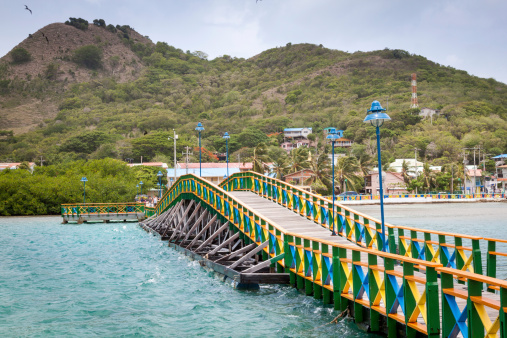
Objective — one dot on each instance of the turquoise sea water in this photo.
(111, 280)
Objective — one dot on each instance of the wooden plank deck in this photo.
(296, 223)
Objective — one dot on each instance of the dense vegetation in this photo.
(41, 193)
(292, 86)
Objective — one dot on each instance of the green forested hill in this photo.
(291, 86)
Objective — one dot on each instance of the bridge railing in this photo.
(432, 196)
(458, 251)
(76, 209)
(346, 273)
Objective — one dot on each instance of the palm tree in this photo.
(428, 177)
(280, 167)
(260, 159)
(321, 173)
(298, 159)
(404, 172)
(365, 164)
(347, 168)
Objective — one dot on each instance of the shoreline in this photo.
(421, 200)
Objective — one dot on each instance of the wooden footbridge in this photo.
(255, 229)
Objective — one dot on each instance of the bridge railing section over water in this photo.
(358, 275)
(432, 196)
(462, 252)
(106, 212)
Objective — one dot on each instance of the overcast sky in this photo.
(465, 34)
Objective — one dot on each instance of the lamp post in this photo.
(159, 174)
(376, 118)
(175, 137)
(346, 189)
(200, 128)
(333, 136)
(141, 184)
(84, 180)
(227, 137)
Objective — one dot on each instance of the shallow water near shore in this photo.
(117, 280)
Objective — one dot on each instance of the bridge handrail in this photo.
(76, 209)
(321, 267)
(449, 249)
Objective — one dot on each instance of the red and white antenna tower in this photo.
(414, 103)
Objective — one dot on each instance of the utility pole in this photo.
(186, 157)
(452, 178)
(415, 165)
(464, 171)
(175, 137)
(41, 160)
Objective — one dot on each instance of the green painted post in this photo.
(356, 286)
(475, 326)
(491, 259)
(410, 301)
(427, 252)
(378, 228)
(432, 303)
(458, 241)
(308, 282)
(317, 289)
(390, 297)
(476, 261)
(336, 278)
(374, 290)
(503, 317)
(391, 240)
(443, 258)
(448, 321)
(413, 237)
(401, 233)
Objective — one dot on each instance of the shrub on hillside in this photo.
(20, 55)
(99, 22)
(79, 23)
(89, 56)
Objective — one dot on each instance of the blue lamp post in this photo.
(84, 180)
(333, 136)
(200, 128)
(376, 118)
(227, 137)
(141, 184)
(159, 174)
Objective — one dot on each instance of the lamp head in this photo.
(141, 183)
(159, 174)
(332, 134)
(199, 127)
(226, 135)
(376, 115)
(84, 179)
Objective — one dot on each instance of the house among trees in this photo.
(17, 165)
(501, 175)
(392, 182)
(328, 129)
(213, 172)
(295, 138)
(299, 178)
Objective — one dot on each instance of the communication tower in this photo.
(414, 103)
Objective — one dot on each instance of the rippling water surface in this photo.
(116, 280)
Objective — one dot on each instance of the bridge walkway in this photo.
(294, 222)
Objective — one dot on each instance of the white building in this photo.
(297, 132)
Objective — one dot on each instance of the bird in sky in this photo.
(28, 9)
